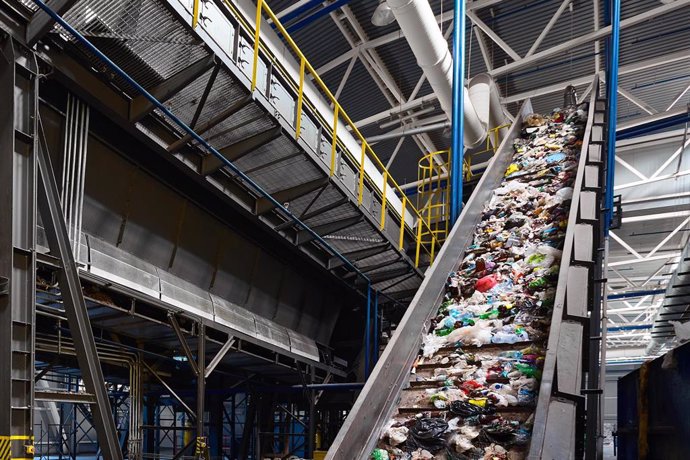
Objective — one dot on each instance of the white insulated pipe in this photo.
(418, 24)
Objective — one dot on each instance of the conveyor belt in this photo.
(399, 391)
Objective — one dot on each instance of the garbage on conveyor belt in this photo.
(474, 385)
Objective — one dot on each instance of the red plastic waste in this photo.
(486, 283)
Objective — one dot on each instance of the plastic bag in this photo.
(465, 409)
(432, 343)
(379, 454)
(397, 435)
(486, 283)
(428, 433)
(477, 335)
(682, 330)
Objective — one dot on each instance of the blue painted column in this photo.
(457, 142)
(367, 334)
(613, 51)
(376, 328)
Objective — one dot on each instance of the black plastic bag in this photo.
(428, 433)
(464, 409)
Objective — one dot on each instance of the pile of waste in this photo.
(475, 382)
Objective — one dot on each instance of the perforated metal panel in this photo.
(120, 267)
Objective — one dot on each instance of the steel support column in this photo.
(311, 393)
(18, 130)
(201, 451)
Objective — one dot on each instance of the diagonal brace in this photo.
(75, 306)
(140, 106)
(172, 319)
(219, 356)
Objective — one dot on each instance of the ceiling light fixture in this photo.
(383, 15)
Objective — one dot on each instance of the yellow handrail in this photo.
(367, 151)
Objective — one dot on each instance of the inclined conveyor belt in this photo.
(491, 355)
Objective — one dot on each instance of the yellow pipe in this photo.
(257, 39)
(419, 242)
(334, 142)
(195, 14)
(300, 98)
(402, 222)
(383, 200)
(360, 196)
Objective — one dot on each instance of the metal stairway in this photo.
(558, 430)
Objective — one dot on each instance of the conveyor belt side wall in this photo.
(560, 406)
(375, 404)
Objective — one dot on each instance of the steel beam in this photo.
(314, 213)
(388, 275)
(263, 205)
(65, 397)
(588, 38)
(234, 152)
(304, 236)
(398, 295)
(41, 23)
(75, 307)
(18, 131)
(358, 254)
(140, 106)
(492, 35)
(222, 116)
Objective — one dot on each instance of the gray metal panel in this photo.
(282, 100)
(595, 152)
(185, 295)
(578, 280)
(218, 27)
(348, 177)
(272, 333)
(233, 279)
(560, 442)
(588, 205)
(309, 132)
(198, 242)
(570, 358)
(597, 133)
(303, 346)
(376, 401)
(245, 57)
(233, 316)
(591, 176)
(152, 215)
(123, 268)
(290, 298)
(265, 286)
(583, 243)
